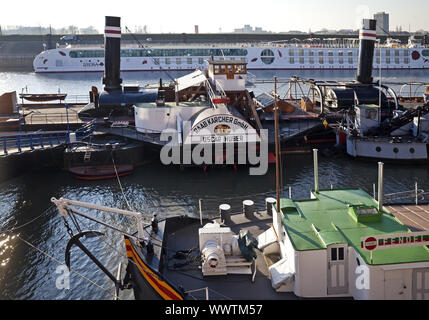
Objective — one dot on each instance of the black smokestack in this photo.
(112, 54)
(367, 38)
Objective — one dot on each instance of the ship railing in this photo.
(52, 118)
(70, 99)
(416, 195)
(77, 99)
(219, 88)
(413, 90)
(21, 142)
(136, 133)
(211, 93)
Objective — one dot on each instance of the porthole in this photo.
(267, 56)
(378, 149)
(395, 150)
(412, 150)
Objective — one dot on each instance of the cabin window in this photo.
(395, 150)
(189, 60)
(396, 53)
(350, 60)
(388, 60)
(397, 60)
(387, 53)
(425, 53)
(291, 60)
(340, 253)
(200, 60)
(412, 150)
(301, 52)
(312, 60)
(330, 53)
(311, 53)
(331, 61)
(405, 53)
(178, 60)
(156, 61)
(333, 254)
(291, 52)
(406, 60)
(377, 52)
(86, 54)
(341, 60)
(377, 60)
(240, 69)
(167, 60)
(350, 53)
(320, 53)
(340, 53)
(217, 69)
(371, 114)
(378, 149)
(301, 60)
(321, 60)
(267, 56)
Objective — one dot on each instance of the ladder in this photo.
(87, 156)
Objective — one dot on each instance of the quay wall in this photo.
(18, 51)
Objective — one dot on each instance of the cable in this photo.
(59, 262)
(28, 222)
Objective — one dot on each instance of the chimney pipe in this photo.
(112, 54)
(367, 37)
(380, 186)
(316, 171)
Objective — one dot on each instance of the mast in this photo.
(276, 130)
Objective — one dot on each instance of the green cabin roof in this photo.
(345, 216)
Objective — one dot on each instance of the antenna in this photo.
(276, 128)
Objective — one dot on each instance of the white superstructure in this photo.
(257, 56)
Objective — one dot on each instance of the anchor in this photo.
(75, 240)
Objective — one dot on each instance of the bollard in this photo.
(269, 202)
(225, 213)
(248, 208)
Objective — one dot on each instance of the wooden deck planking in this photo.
(416, 217)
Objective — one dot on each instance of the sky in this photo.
(177, 16)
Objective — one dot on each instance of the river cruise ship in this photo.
(313, 55)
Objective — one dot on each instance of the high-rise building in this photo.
(382, 23)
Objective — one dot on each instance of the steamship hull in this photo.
(387, 150)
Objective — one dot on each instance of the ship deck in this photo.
(415, 217)
(232, 286)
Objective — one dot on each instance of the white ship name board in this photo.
(222, 128)
(398, 240)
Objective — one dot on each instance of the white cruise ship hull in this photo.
(257, 58)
